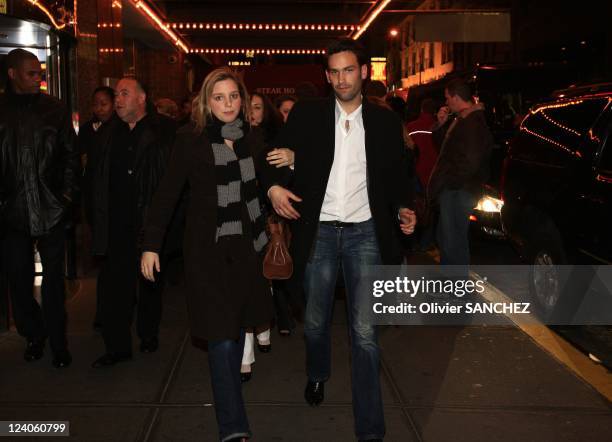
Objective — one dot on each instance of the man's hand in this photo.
(442, 115)
(281, 202)
(148, 263)
(280, 157)
(407, 221)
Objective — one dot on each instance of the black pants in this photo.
(284, 320)
(121, 289)
(18, 261)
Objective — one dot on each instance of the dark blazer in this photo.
(224, 293)
(464, 156)
(150, 159)
(310, 133)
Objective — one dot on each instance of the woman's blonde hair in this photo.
(201, 113)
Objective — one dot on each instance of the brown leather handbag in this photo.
(277, 263)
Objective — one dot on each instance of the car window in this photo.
(564, 123)
(579, 115)
(605, 165)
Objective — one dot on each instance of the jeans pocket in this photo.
(365, 228)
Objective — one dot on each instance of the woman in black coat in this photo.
(103, 107)
(224, 237)
(264, 118)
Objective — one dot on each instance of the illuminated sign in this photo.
(276, 90)
(2, 6)
(378, 69)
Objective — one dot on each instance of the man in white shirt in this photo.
(349, 199)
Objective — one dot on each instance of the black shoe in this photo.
(264, 348)
(62, 359)
(149, 345)
(34, 349)
(245, 377)
(314, 393)
(110, 359)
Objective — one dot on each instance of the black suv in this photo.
(556, 181)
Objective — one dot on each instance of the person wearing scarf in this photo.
(224, 237)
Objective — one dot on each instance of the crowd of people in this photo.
(347, 174)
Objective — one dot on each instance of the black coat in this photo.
(39, 162)
(89, 145)
(151, 156)
(463, 162)
(310, 133)
(226, 289)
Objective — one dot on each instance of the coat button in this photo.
(130, 171)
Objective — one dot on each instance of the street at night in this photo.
(305, 221)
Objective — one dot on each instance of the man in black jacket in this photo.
(350, 196)
(39, 168)
(125, 173)
(462, 169)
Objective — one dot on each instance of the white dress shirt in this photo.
(346, 196)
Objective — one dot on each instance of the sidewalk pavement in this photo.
(439, 384)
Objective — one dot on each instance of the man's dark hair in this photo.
(461, 88)
(350, 45)
(109, 91)
(280, 100)
(397, 104)
(16, 57)
(428, 106)
(376, 88)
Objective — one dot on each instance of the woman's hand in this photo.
(281, 157)
(148, 263)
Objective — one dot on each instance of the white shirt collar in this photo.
(342, 115)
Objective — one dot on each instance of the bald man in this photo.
(126, 173)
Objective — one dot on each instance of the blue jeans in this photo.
(224, 358)
(354, 247)
(453, 226)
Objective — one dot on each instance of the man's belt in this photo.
(337, 224)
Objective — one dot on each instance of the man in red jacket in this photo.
(420, 132)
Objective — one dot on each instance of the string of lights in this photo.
(382, 4)
(46, 11)
(141, 5)
(548, 140)
(559, 125)
(253, 51)
(264, 26)
(556, 106)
